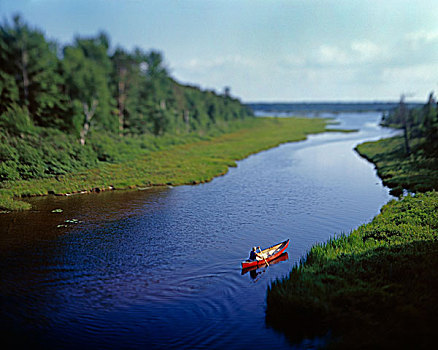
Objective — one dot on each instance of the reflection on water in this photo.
(161, 268)
(260, 269)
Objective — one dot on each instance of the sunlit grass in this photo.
(183, 163)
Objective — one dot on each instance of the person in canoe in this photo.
(253, 255)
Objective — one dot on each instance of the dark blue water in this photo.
(161, 268)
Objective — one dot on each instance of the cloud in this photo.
(422, 36)
(356, 69)
(356, 53)
(332, 55)
(367, 50)
(197, 64)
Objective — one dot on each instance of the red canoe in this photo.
(268, 253)
(282, 257)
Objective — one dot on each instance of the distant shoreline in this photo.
(326, 107)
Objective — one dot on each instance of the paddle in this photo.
(266, 261)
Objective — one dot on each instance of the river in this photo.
(160, 268)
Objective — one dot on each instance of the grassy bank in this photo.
(184, 163)
(417, 171)
(377, 287)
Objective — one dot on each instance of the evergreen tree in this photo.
(31, 61)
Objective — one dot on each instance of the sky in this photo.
(265, 50)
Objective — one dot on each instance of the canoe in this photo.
(279, 259)
(269, 254)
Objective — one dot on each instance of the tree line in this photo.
(68, 98)
(418, 124)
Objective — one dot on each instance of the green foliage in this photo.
(62, 114)
(128, 93)
(43, 153)
(86, 66)
(417, 172)
(374, 287)
(29, 67)
(142, 161)
(8, 87)
(16, 120)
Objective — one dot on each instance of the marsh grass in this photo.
(416, 172)
(175, 162)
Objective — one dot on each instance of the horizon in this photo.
(351, 51)
(336, 102)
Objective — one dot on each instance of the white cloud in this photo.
(422, 36)
(332, 55)
(366, 50)
(217, 62)
(356, 53)
(356, 69)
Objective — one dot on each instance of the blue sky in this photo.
(266, 50)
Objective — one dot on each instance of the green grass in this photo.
(377, 287)
(416, 172)
(175, 163)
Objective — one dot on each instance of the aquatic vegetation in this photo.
(69, 222)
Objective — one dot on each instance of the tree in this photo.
(127, 79)
(28, 59)
(87, 68)
(154, 110)
(430, 124)
(404, 117)
(428, 113)
(227, 91)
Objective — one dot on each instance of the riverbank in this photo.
(377, 286)
(189, 163)
(416, 172)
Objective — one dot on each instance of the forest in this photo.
(65, 108)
